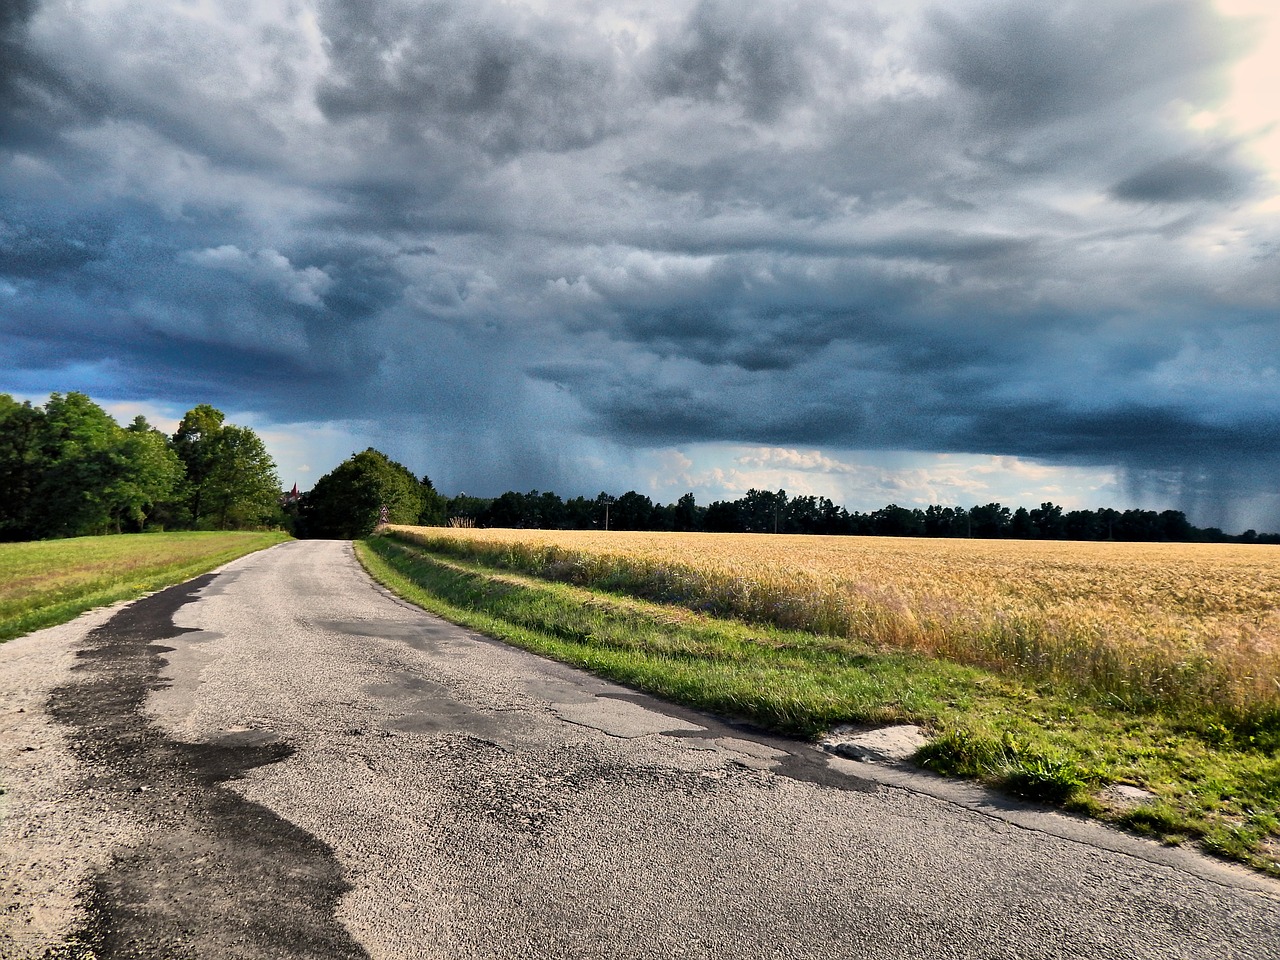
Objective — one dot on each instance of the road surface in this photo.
(282, 760)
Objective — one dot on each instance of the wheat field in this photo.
(1136, 622)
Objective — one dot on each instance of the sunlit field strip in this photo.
(1138, 623)
(50, 581)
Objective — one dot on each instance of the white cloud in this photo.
(270, 267)
(781, 457)
(870, 479)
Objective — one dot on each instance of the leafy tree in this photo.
(1108, 521)
(532, 511)
(466, 507)
(1083, 525)
(21, 426)
(231, 480)
(990, 521)
(517, 511)
(663, 517)
(940, 521)
(347, 503)
(196, 443)
(69, 469)
(242, 490)
(1138, 525)
(580, 513)
(688, 515)
(434, 512)
(1022, 526)
(723, 516)
(78, 466)
(802, 515)
(149, 474)
(834, 518)
(761, 511)
(631, 511)
(1174, 526)
(896, 521)
(1048, 521)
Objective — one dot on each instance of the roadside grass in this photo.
(1215, 775)
(52, 581)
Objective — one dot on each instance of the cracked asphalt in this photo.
(282, 760)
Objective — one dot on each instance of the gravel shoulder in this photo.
(298, 755)
(53, 833)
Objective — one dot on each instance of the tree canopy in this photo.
(363, 490)
(230, 480)
(68, 469)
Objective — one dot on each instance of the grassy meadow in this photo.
(51, 581)
(1053, 670)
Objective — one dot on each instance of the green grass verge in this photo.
(53, 581)
(1214, 784)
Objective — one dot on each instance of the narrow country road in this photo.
(281, 760)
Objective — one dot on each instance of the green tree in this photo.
(1048, 521)
(468, 508)
(896, 521)
(1022, 525)
(435, 505)
(21, 426)
(231, 480)
(196, 443)
(631, 511)
(990, 521)
(347, 503)
(688, 515)
(761, 511)
(242, 489)
(149, 473)
(79, 464)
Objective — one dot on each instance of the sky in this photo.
(945, 251)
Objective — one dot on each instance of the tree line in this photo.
(68, 469)
(764, 511)
(370, 488)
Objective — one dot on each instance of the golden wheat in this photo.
(1137, 621)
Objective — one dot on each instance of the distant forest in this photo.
(763, 511)
(369, 488)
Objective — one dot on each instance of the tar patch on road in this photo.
(217, 875)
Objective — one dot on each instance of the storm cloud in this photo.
(530, 244)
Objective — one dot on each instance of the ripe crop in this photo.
(1138, 624)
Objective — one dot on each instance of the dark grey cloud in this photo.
(31, 249)
(33, 98)
(523, 243)
(755, 56)
(1182, 180)
(14, 16)
(1021, 65)
(478, 75)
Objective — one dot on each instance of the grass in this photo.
(1214, 771)
(52, 581)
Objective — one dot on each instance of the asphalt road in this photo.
(282, 760)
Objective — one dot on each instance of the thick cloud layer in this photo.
(522, 242)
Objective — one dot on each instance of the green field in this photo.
(1214, 772)
(52, 581)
